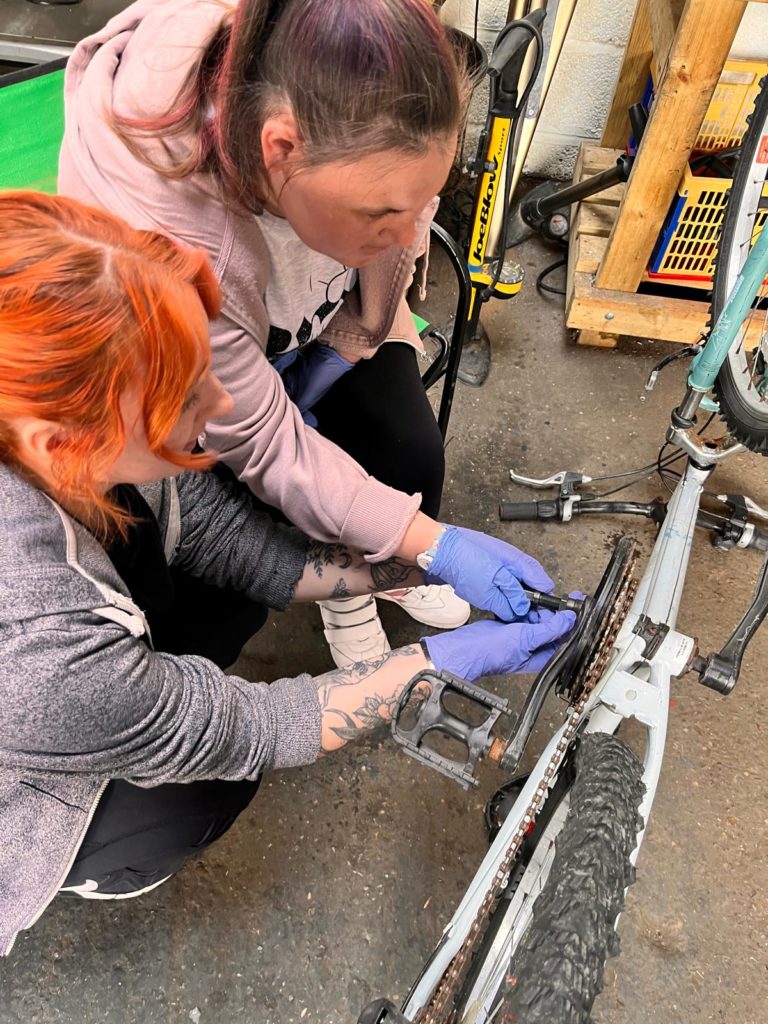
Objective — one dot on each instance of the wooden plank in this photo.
(610, 197)
(645, 316)
(704, 37)
(574, 231)
(664, 17)
(597, 340)
(595, 159)
(590, 254)
(632, 78)
(596, 220)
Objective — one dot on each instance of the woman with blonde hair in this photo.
(124, 748)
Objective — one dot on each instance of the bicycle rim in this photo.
(742, 382)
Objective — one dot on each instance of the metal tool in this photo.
(553, 602)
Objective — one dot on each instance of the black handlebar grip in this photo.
(759, 540)
(512, 45)
(510, 510)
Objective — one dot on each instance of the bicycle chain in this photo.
(438, 1011)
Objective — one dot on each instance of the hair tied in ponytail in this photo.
(273, 12)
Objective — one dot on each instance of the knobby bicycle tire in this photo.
(741, 405)
(557, 969)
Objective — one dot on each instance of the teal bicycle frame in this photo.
(706, 364)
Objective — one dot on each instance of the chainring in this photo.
(591, 642)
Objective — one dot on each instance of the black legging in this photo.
(379, 414)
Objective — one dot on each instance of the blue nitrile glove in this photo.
(490, 648)
(487, 572)
(312, 375)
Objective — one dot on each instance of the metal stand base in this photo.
(475, 363)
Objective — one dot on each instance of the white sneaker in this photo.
(434, 605)
(353, 630)
(89, 890)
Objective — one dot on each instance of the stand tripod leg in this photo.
(475, 364)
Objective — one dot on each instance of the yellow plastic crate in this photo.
(687, 245)
(725, 122)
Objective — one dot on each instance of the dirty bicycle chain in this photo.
(439, 1010)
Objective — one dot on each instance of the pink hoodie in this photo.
(135, 66)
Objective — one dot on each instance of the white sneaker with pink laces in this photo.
(434, 605)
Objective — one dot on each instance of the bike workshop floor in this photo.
(334, 886)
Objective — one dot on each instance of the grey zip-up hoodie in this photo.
(84, 699)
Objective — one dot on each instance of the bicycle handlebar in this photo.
(526, 510)
(531, 511)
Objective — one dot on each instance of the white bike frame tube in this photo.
(661, 587)
(631, 687)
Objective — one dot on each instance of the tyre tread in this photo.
(557, 970)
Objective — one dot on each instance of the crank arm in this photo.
(720, 671)
(382, 1011)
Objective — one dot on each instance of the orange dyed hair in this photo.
(89, 307)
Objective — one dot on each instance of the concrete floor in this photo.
(334, 886)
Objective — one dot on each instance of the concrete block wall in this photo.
(580, 94)
(581, 90)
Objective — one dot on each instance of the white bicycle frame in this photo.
(634, 685)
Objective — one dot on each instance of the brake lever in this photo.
(565, 478)
(741, 500)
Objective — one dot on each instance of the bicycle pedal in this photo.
(433, 718)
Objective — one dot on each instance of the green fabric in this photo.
(31, 129)
(421, 324)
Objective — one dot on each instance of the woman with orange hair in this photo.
(123, 751)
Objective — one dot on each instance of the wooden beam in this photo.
(704, 37)
(632, 78)
(648, 316)
(597, 340)
(644, 316)
(664, 17)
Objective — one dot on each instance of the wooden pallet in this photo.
(613, 235)
(601, 314)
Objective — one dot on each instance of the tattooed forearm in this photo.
(335, 571)
(376, 713)
(320, 556)
(341, 590)
(391, 574)
(357, 699)
(354, 674)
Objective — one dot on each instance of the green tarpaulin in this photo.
(31, 127)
